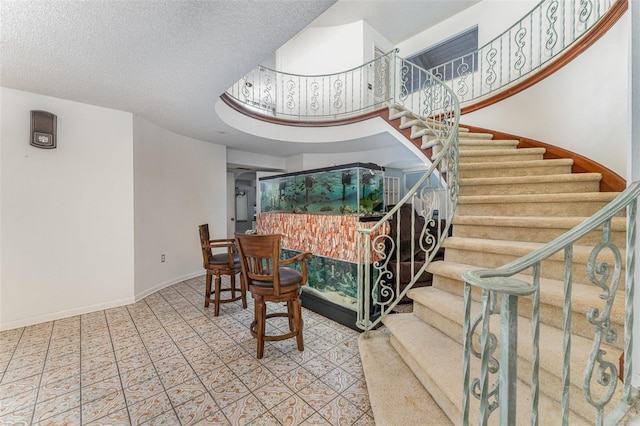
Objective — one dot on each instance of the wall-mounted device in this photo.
(43, 129)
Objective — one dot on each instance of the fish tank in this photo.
(348, 189)
(332, 288)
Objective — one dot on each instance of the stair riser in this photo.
(470, 135)
(469, 146)
(498, 158)
(557, 208)
(548, 410)
(512, 171)
(549, 314)
(529, 188)
(551, 268)
(535, 235)
(446, 404)
(550, 379)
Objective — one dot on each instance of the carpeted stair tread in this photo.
(541, 229)
(515, 168)
(445, 312)
(397, 397)
(575, 177)
(474, 144)
(541, 184)
(563, 204)
(488, 144)
(436, 360)
(568, 222)
(519, 248)
(474, 135)
(584, 295)
(499, 155)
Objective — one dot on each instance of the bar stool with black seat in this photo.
(269, 280)
(219, 264)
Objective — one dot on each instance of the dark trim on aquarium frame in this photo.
(370, 166)
(334, 312)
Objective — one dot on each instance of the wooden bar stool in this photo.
(269, 281)
(221, 264)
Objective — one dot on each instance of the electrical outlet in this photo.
(162, 258)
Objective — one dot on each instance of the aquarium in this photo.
(349, 189)
(331, 279)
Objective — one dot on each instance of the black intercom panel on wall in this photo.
(43, 129)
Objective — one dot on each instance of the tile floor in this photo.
(166, 360)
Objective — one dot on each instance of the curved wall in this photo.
(582, 107)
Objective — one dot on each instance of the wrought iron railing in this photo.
(394, 261)
(317, 97)
(526, 47)
(502, 291)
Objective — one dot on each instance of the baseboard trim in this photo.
(24, 322)
(158, 287)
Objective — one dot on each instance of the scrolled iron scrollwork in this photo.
(404, 90)
(463, 71)
(382, 78)
(245, 88)
(491, 60)
(291, 92)
(551, 31)
(383, 285)
(267, 99)
(607, 278)
(337, 97)
(521, 59)
(314, 104)
(493, 365)
(586, 7)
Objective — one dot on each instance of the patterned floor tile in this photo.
(166, 361)
(177, 376)
(102, 407)
(292, 411)
(196, 409)
(116, 418)
(218, 376)
(149, 408)
(340, 412)
(358, 395)
(317, 394)
(273, 393)
(257, 378)
(19, 386)
(143, 390)
(21, 400)
(55, 389)
(57, 405)
(338, 379)
(316, 420)
(244, 410)
(229, 392)
(183, 392)
(168, 418)
(67, 418)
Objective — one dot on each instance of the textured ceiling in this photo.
(168, 61)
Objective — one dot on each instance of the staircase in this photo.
(511, 201)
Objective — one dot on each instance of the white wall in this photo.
(179, 183)
(492, 18)
(66, 214)
(580, 108)
(323, 50)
